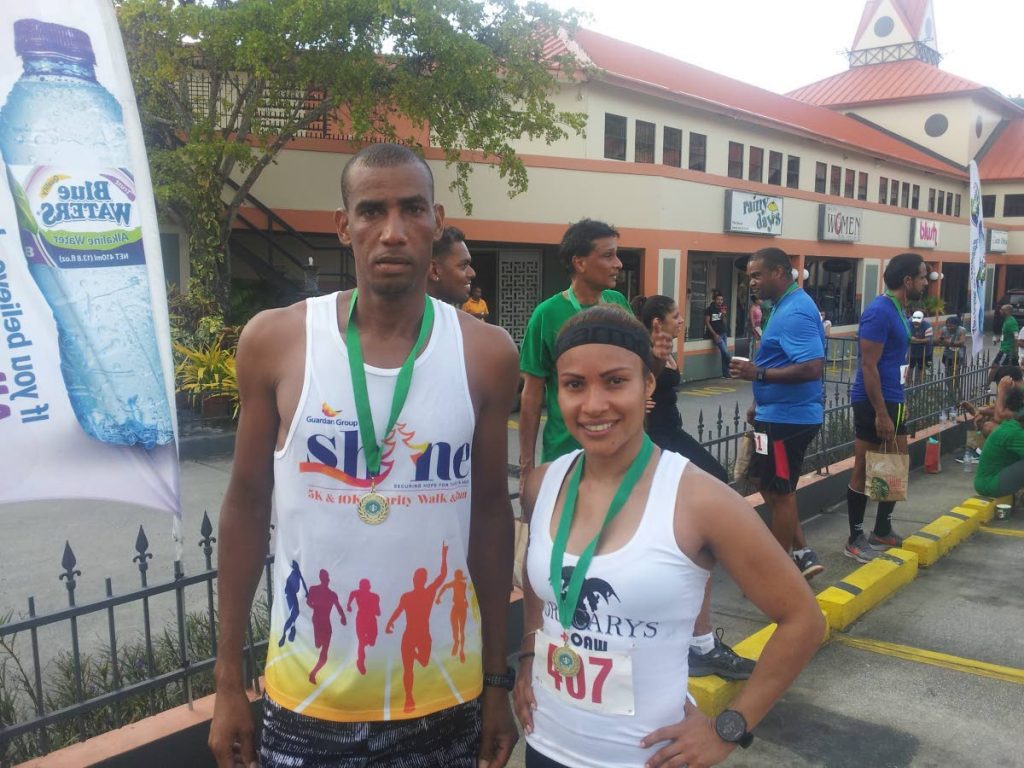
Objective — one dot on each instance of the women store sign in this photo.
(924, 233)
(749, 213)
(837, 223)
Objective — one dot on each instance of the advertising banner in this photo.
(837, 223)
(749, 213)
(924, 233)
(977, 266)
(998, 240)
(86, 384)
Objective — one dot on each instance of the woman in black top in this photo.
(664, 424)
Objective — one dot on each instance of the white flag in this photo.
(977, 271)
(86, 385)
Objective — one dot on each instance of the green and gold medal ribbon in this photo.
(357, 368)
(900, 311)
(567, 602)
(764, 323)
(571, 296)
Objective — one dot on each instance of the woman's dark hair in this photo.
(606, 324)
(1014, 401)
(646, 308)
(901, 267)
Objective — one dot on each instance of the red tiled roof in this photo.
(892, 81)
(1004, 160)
(723, 94)
(911, 12)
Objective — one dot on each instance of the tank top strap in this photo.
(547, 495)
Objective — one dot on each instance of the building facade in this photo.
(698, 170)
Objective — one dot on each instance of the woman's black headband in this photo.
(635, 340)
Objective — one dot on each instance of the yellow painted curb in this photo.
(942, 534)
(867, 586)
(986, 505)
(713, 693)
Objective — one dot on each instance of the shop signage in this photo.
(998, 241)
(839, 223)
(750, 213)
(924, 233)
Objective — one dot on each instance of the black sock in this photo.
(856, 503)
(883, 520)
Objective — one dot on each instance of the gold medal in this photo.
(566, 661)
(373, 508)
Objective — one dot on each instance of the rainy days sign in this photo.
(749, 213)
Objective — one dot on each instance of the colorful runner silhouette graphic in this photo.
(322, 599)
(416, 641)
(291, 597)
(367, 611)
(460, 605)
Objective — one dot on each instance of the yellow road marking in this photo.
(707, 391)
(935, 659)
(1003, 531)
(513, 424)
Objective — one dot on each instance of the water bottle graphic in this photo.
(69, 169)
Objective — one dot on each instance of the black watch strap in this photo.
(506, 681)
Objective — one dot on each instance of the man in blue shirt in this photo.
(788, 400)
(879, 410)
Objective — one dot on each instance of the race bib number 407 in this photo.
(603, 683)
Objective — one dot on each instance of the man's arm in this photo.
(708, 328)
(787, 374)
(531, 401)
(243, 530)
(492, 364)
(870, 354)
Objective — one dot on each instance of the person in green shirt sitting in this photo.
(1008, 346)
(1001, 467)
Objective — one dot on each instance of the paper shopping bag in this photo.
(519, 564)
(887, 476)
(744, 452)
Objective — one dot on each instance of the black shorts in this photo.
(779, 469)
(864, 420)
(1004, 358)
(450, 738)
(920, 362)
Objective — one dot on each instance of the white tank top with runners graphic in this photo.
(631, 628)
(339, 582)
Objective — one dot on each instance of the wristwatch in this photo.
(506, 681)
(731, 727)
(761, 375)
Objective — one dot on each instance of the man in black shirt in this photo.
(717, 329)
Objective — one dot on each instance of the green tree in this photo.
(223, 86)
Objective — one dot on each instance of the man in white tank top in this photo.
(429, 496)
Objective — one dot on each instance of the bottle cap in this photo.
(32, 36)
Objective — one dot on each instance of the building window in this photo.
(793, 172)
(905, 194)
(756, 170)
(1013, 205)
(988, 206)
(835, 183)
(915, 196)
(931, 199)
(883, 190)
(940, 205)
(894, 192)
(614, 136)
(820, 177)
(735, 160)
(643, 151)
(672, 149)
(775, 168)
(949, 203)
(851, 178)
(862, 186)
(956, 207)
(698, 152)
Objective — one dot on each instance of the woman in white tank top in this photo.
(622, 540)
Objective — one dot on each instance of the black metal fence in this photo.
(934, 397)
(95, 681)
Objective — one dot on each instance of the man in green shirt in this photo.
(1001, 467)
(589, 250)
(1008, 346)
